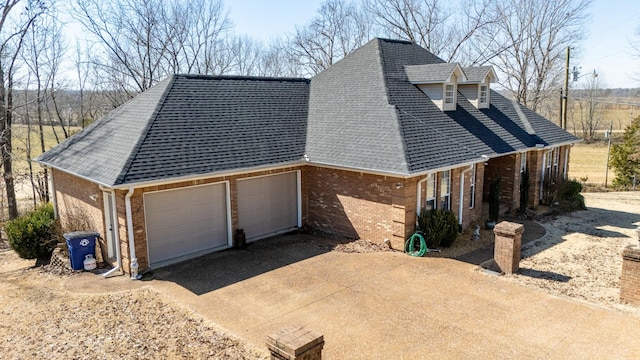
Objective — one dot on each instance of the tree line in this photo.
(126, 46)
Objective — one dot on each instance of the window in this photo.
(431, 192)
(472, 188)
(448, 94)
(523, 162)
(483, 94)
(445, 190)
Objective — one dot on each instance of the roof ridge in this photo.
(405, 150)
(241, 77)
(152, 118)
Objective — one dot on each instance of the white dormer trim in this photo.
(477, 88)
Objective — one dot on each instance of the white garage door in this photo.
(185, 222)
(268, 204)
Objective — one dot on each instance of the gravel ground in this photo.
(39, 319)
(580, 257)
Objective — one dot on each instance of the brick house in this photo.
(357, 150)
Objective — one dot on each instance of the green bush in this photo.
(563, 195)
(439, 226)
(569, 196)
(34, 235)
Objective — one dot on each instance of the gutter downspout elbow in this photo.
(461, 202)
(132, 248)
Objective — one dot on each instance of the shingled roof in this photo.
(362, 113)
(190, 125)
(365, 113)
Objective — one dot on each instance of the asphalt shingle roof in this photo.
(190, 125)
(362, 113)
(476, 73)
(430, 73)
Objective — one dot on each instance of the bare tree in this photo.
(590, 107)
(143, 41)
(444, 31)
(526, 43)
(15, 20)
(338, 28)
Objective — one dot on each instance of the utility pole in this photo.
(606, 174)
(565, 97)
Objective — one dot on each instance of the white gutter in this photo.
(132, 245)
(116, 236)
(461, 202)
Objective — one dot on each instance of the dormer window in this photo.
(449, 97)
(483, 95)
(438, 81)
(476, 88)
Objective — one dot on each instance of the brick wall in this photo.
(79, 200)
(357, 205)
(630, 276)
(508, 168)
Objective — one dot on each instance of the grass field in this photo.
(19, 139)
(589, 161)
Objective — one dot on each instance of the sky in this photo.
(606, 48)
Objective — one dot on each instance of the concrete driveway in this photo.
(390, 305)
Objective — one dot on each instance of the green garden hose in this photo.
(409, 246)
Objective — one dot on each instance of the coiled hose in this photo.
(409, 246)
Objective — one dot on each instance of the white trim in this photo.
(227, 189)
(544, 158)
(472, 183)
(116, 231)
(54, 197)
(566, 162)
(299, 181)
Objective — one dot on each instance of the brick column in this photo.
(507, 246)
(295, 343)
(630, 277)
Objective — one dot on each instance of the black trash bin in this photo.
(80, 244)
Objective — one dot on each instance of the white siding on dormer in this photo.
(470, 91)
(434, 92)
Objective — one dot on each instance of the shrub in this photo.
(439, 226)
(563, 195)
(569, 196)
(33, 236)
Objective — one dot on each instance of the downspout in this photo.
(132, 247)
(116, 235)
(461, 202)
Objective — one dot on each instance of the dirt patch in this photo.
(39, 319)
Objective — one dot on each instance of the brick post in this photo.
(507, 246)
(295, 343)
(630, 276)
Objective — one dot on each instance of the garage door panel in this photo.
(185, 221)
(268, 204)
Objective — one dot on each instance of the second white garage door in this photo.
(268, 204)
(186, 222)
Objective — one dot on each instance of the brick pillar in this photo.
(507, 247)
(630, 277)
(295, 343)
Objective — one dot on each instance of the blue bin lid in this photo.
(80, 235)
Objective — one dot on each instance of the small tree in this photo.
(625, 156)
